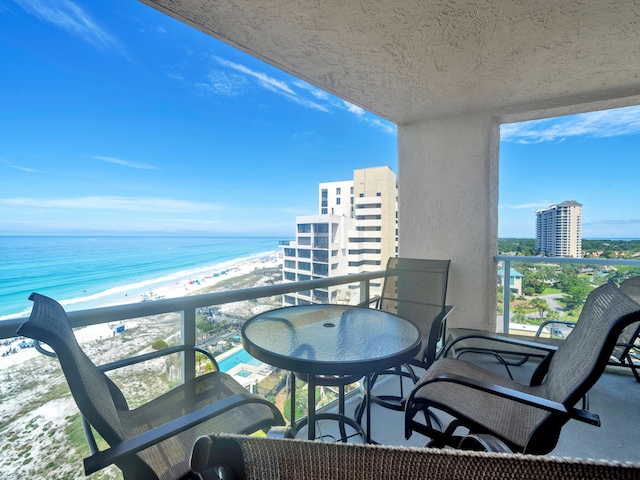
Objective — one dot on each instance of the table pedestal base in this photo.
(340, 417)
(342, 420)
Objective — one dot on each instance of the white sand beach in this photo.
(206, 279)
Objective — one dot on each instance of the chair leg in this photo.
(634, 368)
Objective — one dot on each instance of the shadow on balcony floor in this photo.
(615, 398)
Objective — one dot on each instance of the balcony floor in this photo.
(615, 398)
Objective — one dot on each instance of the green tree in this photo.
(576, 294)
(519, 315)
(553, 315)
(159, 345)
(541, 305)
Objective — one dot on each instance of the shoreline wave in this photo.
(134, 292)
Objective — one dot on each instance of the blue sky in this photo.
(118, 119)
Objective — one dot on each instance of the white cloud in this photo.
(234, 80)
(316, 92)
(222, 83)
(274, 85)
(130, 204)
(606, 123)
(351, 108)
(21, 168)
(72, 18)
(263, 79)
(126, 163)
(529, 206)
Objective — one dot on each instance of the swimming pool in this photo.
(241, 356)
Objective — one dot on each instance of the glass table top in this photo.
(330, 339)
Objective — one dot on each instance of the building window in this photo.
(324, 193)
(290, 276)
(289, 300)
(337, 201)
(334, 266)
(320, 296)
(304, 241)
(320, 269)
(324, 211)
(334, 253)
(289, 252)
(320, 228)
(304, 253)
(302, 277)
(304, 266)
(378, 194)
(289, 264)
(321, 242)
(338, 191)
(320, 256)
(304, 228)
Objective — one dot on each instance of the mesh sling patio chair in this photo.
(414, 289)
(527, 418)
(515, 349)
(235, 457)
(152, 441)
(627, 351)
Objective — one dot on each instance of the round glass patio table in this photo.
(326, 342)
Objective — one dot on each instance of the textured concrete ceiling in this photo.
(411, 60)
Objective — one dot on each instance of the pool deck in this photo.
(245, 374)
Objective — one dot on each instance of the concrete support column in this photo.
(448, 208)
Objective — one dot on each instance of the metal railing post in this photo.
(364, 292)
(506, 295)
(188, 336)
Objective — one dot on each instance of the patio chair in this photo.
(627, 351)
(152, 441)
(527, 418)
(515, 349)
(414, 289)
(231, 457)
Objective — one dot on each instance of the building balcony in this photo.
(364, 210)
(614, 397)
(374, 222)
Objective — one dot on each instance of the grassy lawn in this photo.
(550, 291)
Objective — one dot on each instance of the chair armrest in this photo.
(501, 338)
(520, 397)
(159, 353)
(437, 333)
(369, 302)
(549, 322)
(104, 458)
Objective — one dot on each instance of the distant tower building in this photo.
(559, 230)
(355, 231)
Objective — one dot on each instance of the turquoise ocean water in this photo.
(85, 272)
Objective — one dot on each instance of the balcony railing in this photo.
(507, 259)
(187, 307)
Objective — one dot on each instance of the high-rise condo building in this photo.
(559, 230)
(355, 231)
